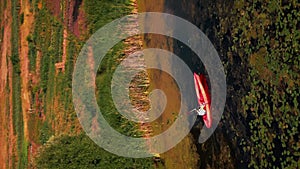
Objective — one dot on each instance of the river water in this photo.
(222, 150)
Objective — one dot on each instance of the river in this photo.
(222, 150)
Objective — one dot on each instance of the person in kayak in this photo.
(203, 98)
(200, 110)
(200, 113)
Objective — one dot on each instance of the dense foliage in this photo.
(259, 44)
(80, 151)
(101, 12)
(268, 38)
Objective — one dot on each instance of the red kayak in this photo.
(203, 97)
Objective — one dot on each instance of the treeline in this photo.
(80, 151)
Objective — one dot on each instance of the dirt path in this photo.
(24, 62)
(7, 137)
(5, 51)
(5, 47)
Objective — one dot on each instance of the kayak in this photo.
(203, 96)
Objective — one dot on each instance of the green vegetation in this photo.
(105, 102)
(31, 54)
(101, 12)
(54, 88)
(266, 38)
(81, 152)
(16, 93)
(71, 150)
(272, 102)
(47, 40)
(45, 133)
